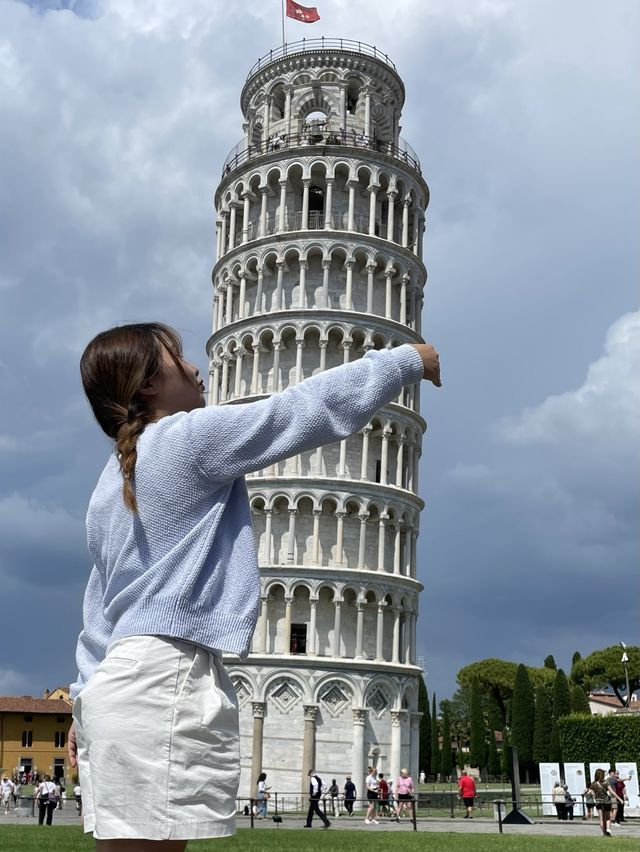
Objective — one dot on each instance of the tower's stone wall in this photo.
(319, 242)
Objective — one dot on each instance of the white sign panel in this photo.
(576, 782)
(549, 775)
(629, 774)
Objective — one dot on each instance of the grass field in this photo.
(34, 838)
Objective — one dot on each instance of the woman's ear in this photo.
(150, 387)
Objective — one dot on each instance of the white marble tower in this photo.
(319, 242)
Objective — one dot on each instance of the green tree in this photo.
(543, 726)
(522, 718)
(577, 656)
(435, 745)
(561, 701)
(561, 696)
(550, 663)
(478, 744)
(604, 669)
(447, 768)
(579, 700)
(493, 767)
(504, 754)
(497, 679)
(425, 727)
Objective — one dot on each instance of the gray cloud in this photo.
(117, 116)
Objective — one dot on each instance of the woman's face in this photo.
(177, 389)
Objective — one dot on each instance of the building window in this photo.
(298, 644)
(60, 719)
(60, 739)
(28, 718)
(27, 739)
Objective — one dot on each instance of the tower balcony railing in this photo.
(314, 44)
(316, 221)
(319, 134)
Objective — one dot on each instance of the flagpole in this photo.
(283, 32)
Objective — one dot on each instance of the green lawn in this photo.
(34, 838)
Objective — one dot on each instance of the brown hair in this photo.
(599, 776)
(114, 368)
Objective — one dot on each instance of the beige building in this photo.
(320, 217)
(33, 735)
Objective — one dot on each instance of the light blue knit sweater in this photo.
(186, 565)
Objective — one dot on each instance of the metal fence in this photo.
(314, 44)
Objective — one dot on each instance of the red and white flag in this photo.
(304, 14)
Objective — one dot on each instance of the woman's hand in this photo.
(72, 746)
(430, 363)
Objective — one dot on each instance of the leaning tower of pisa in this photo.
(320, 216)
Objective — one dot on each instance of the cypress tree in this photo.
(504, 756)
(425, 727)
(494, 759)
(550, 663)
(435, 745)
(478, 745)
(523, 717)
(579, 700)
(561, 699)
(447, 752)
(577, 656)
(543, 726)
(561, 696)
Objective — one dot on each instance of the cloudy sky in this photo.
(116, 117)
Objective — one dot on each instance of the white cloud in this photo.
(605, 410)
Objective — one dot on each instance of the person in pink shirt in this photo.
(467, 792)
(404, 791)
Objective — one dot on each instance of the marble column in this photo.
(282, 212)
(259, 287)
(380, 632)
(371, 268)
(360, 605)
(328, 202)
(286, 639)
(258, 708)
(396, 635)
(306, 183)
(263, 625)
(336, 627)
(362, 541)
(373, 198)
(308, 744)
(397, 718)
(263, 211)
(360, 715)
(311, 638)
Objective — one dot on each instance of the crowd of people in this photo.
(48, 794)
(385, 797)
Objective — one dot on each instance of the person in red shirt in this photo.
(467, 792)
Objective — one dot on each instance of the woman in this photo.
(47, 799)
(589, 803)
(603, 801)
(404, 792)
(175, 582)
(559, 800)
(263, 795)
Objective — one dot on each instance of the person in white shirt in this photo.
(6, 788)
(47, 798)
(371, 783)
(77, 792)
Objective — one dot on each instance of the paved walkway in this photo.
(552, 827)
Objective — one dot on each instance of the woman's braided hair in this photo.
(114, 368)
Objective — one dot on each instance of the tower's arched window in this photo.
(316, 199)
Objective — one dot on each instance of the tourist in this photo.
(175, 582)
(6, 792)
(349, 795)
(47, 799)
(383, 796)
(262, 795)
(559, 800)
(334, 792)
(467, 792)
(422, 776)
(315, 791)
(404, 792)
(623, 798)
(603, 801)
(589, 802)
(77, 793)
(569, 802)
(371, 783)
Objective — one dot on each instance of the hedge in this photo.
(590, 739)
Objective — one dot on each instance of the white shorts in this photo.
(158, 743)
